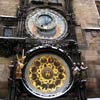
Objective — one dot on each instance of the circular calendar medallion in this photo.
(47, 75)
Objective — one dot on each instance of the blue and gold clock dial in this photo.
(46, 24)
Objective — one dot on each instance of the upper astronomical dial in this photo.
(46, 24)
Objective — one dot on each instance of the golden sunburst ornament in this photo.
(47, 73)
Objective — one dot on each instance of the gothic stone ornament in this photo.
(46, 24)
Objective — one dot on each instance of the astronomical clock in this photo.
(46, 60)
(46, 24)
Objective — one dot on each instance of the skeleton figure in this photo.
(83, 67)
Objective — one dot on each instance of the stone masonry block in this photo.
(92, 88)
(91, 55)
(8, 7)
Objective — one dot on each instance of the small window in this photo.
(8, 32)
(98, 6)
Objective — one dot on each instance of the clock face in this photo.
(46, 24)
(44, 21)
(47, 75)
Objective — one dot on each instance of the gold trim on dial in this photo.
(47, 73)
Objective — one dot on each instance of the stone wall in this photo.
(91, 55)
(4, 71)
(8, 7)
(88, 37)
(86, 13)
